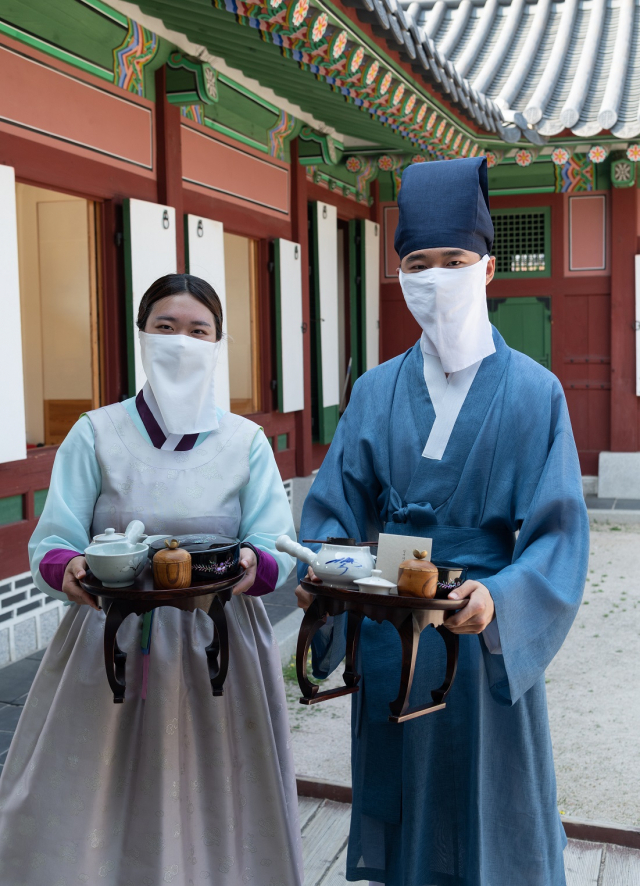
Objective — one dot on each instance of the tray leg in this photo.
(452, 642)
(218, 649)
(351, 676)
(115, 659)
(312, 621)
(409, 632)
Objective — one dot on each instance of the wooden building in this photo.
(261, 145)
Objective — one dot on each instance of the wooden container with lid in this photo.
(418, 577)
(172, 567)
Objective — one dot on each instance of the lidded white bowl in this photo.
(117, 564)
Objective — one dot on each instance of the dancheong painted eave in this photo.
(291, 28)
(550, 66)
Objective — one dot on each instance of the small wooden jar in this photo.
(418, 577)
(172, 567)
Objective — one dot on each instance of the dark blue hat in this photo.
(445, 203)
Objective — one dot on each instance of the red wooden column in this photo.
(624, 403)
(169, 159)
(300, 234)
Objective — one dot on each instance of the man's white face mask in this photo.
(450, 304)
(180, 370)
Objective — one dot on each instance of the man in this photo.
(467, 442)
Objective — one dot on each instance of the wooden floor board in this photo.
(323, 840)
(325, 831)
(582, 863)
(621, 866)
(307, 808)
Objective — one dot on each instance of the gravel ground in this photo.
(593, 687)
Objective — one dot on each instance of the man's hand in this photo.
(476, 615)
(249, 562)
(77, 569)
(305, 599)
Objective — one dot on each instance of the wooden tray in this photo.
(141, 597)
(142, 588)
(409, 615)
(393, 601)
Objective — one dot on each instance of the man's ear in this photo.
(491, 268)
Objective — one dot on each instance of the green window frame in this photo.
(522, 244)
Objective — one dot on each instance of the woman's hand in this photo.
(476, 615)
(249, 561)
(305, 599)
(77, 569)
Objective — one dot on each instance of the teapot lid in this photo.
(375, 580)
(108, 535)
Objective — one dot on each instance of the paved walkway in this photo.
(325, 829)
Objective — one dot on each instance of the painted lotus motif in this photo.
(319, 27)
(385, 163)
(299, 10)
(356, 59)
(491, 159)
(633, 153)
(422, 113)
(338, 44)
(386, 83)
(597, 154)
(372, 73)
(524, 158)
(354, 164)
(409, 105)
(397, 96)
(560, 156)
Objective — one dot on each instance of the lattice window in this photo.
(522, 242)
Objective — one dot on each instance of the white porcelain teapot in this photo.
(338, 562)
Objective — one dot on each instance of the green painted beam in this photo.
(242, 47)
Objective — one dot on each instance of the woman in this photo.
(173, 786)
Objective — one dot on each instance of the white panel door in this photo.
(371, 242)
(327, 275)
(150, 243)
(289, 344)
(13, 439)
(205, 258)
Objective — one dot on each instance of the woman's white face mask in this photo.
(450, 304)
(180, 370)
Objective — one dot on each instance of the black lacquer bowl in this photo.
(450, 577)
(212, 556)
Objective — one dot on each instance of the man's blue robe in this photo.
(465, 796)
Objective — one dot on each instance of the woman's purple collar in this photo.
(155, 432)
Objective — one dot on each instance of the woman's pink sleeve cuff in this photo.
(266, 576)
(53, 565)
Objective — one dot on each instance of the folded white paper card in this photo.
(394, 549)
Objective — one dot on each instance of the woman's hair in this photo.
(178, 284)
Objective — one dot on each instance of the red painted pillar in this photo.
(169, 159)
(300, 234)
(624, 403)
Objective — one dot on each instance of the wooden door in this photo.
(525, 325)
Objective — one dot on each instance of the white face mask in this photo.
(180, 370)
(450, 304)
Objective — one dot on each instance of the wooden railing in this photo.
(23, 486)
